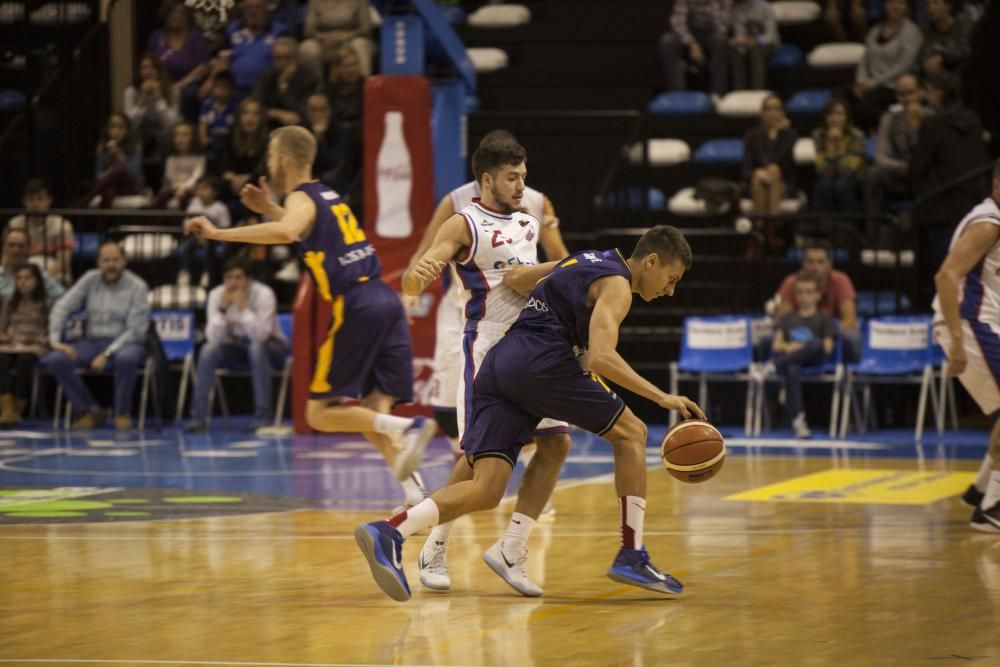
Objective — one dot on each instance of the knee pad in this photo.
(448, 422)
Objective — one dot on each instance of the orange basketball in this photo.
(693, 451)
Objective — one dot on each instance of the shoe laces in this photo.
(437, 563)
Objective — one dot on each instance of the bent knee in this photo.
(553, 447)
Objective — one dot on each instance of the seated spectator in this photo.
(152, 106)
(696, 28)
(183, 51)
(15, 253)
(754, 41)
(331, 25)
(50, 237)
(847, 20)
(217, 117)
(284, 88)
(769, 168)
(886, 178)
(185, 165)
(947, 39)
(116, 303)
(891, 48)
(840, 160)
(246, 149)
(345, 89)
(837, 296)
(118, 169)
(205, 202)
(803, 337)
(251, 39)
(335, 163)
(24, 332)
(242, 328)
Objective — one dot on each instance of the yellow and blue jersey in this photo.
(336, 252)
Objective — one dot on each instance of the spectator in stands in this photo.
(218, 116)
(246, 148)
(50, 237)
(118, 169)
(331, 25)
(284, 88)
(696, 28)
(344, 89)
(152, 106)
(891, 48)
(886, 178)
(769, 167)
(803, 337)
(116, 303)
(183, 50)
(753, 42)
(950, 145)
(840, 160)
(242, 328)
(837, 296)
(336, 163)
(947, 39)
(15, 254)
(24, 332)
(251, 39)
(185, 165)
(205, 202)
(847, 20)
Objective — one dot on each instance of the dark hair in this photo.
(161, 73)
(255, 143)
(497, 135)
(108, 242)
(818, 244)
(36, 186)
(493, 154)
(832, 104)
(667, 242)
(168, 6)
(225, 76)
(128, 144)
(37, 295)
(236, 263)
(211, 181)
(949, 85)
(196, 147)
(806, 278)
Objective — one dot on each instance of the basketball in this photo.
(693, 451)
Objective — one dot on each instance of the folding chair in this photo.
(946, 389)
(719, 349)
(894, 350)
(176, 331)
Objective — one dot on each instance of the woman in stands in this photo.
(243, 157)
(840, 160)
(183, 50)
(769, 168)
(24, 329)
(118, 170)
(152, 106)
(184, 166)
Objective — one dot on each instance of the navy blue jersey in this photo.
(336, 251)
(557, 307)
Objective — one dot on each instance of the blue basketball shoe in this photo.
(382, 545)
(632, 567)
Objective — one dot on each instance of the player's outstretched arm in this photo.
(300, 214)
(449, 241)
(971, 247)
(522, 279)
(612, 297)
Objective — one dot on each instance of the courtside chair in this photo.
(831, 371)
(894, 350)
(176, 331)
(285, 373)
(946, 390)
(717, 349)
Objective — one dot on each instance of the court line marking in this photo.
(220, 663)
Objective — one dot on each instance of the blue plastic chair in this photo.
(716, 348)
(631, 199)
(787, 55)
(809, 101)
(894, 350)
(681, 103)
(719, 151)
(176, 331)
(872, 303)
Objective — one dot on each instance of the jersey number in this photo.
(348, 224)
(499, 239)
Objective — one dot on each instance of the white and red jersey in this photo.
(499, 242)
(979, 291)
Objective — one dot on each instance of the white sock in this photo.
(633, 514)
(413, 488)
(983, 476)
(992, 491)
(441, 533)
(518, 530)
(422, 515)
(391, 424)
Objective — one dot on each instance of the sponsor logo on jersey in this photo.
(356, 255)
(536, 304)
(530, 235)
(592, 257)
(524, 223)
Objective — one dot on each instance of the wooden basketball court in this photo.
(820, 573)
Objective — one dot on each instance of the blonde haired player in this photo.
(967, 325)
(366, 355)
(483, 242)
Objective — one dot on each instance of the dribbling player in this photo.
(533, 372)
(367, 353)
(967, 325)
